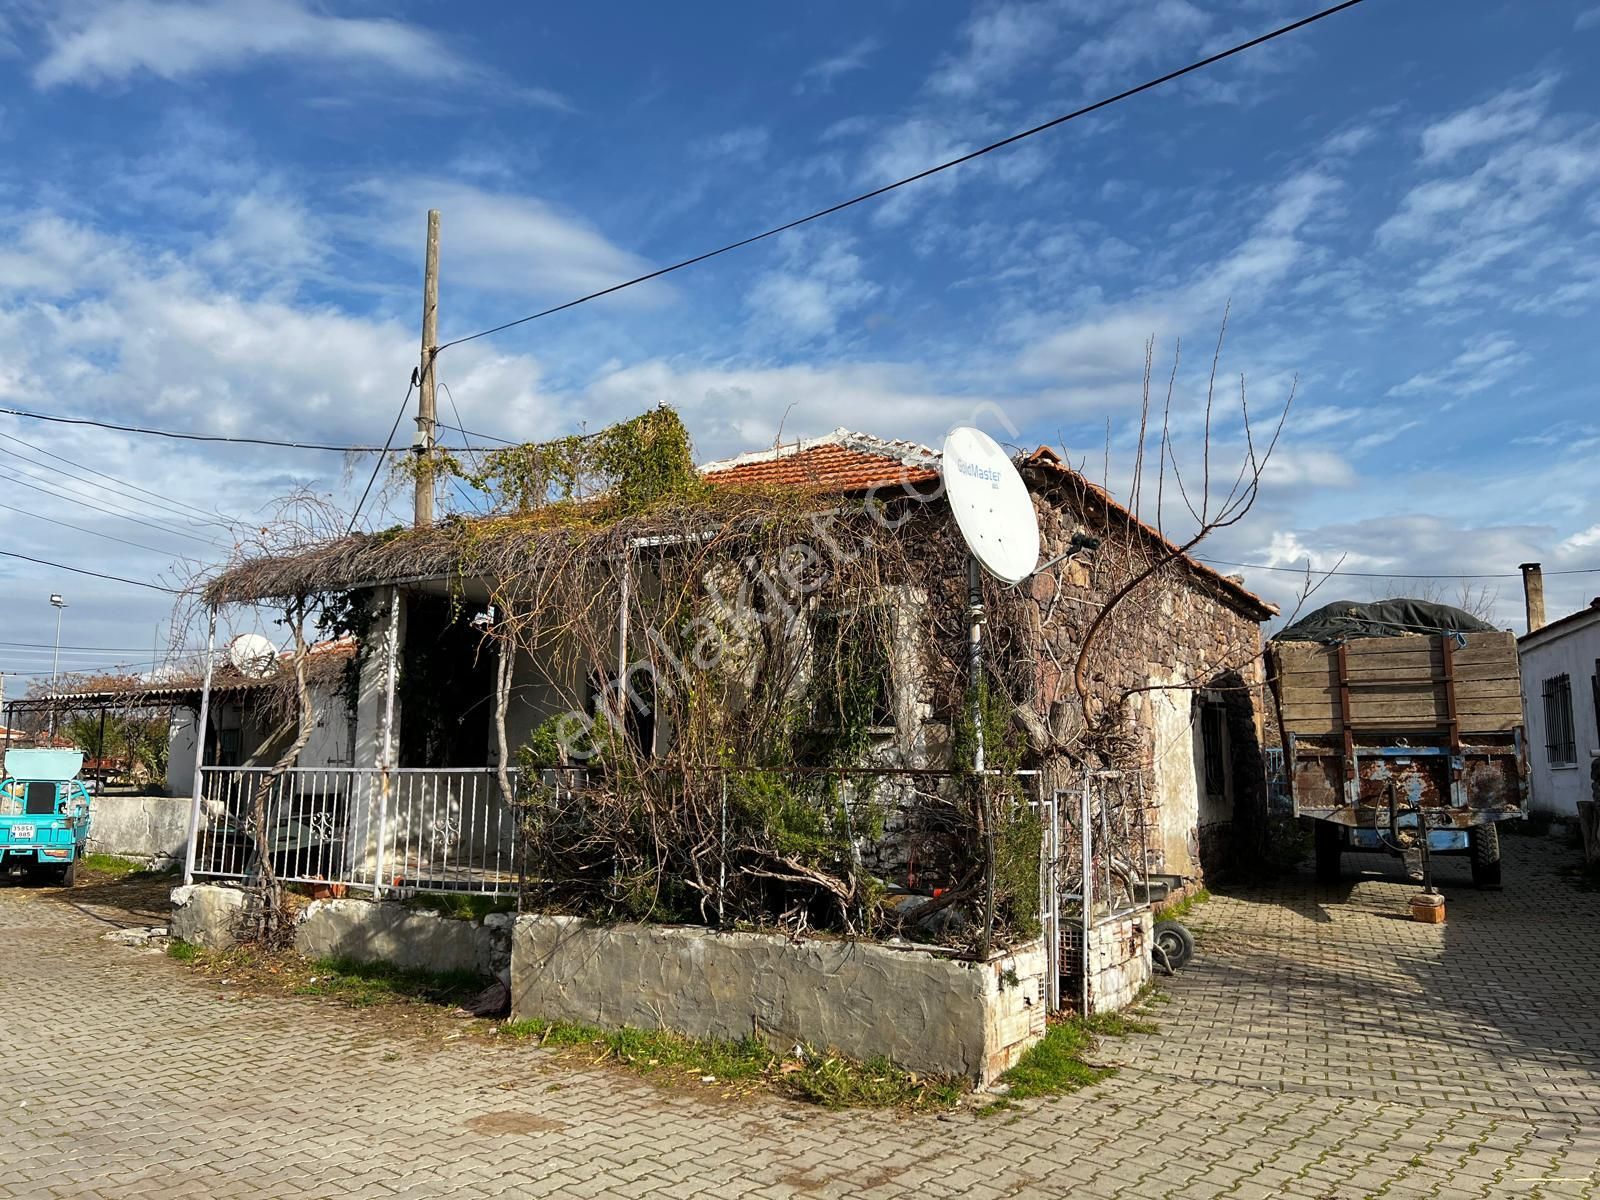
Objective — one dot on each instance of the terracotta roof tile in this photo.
(831, 468)
(841, 461)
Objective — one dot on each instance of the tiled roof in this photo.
(845, 461)
(841, 461)
(323, 659)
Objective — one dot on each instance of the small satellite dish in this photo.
(253, 656)
(991, 504)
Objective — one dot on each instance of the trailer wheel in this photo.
(1330, 846)
(1174, 945)
(1483, 841)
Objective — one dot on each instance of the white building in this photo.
(1561, 691)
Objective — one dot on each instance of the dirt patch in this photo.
(512, 1122)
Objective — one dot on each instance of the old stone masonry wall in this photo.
(1177, 638)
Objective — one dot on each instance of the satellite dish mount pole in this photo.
(975, 658)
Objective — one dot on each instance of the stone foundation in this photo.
(361, 930)
(1119, 961)
(387, 931)
(926, 1012)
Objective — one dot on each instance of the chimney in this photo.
(1533, 594)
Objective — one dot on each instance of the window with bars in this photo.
(1214, 746)
(1560, 744)
(1594, 686)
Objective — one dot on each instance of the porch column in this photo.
(200, 749)
(391, 655)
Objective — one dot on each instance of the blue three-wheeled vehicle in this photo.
(44, 815)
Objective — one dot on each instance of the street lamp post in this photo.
(55, 661)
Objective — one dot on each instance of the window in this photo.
(1214, 744)
(853, 682)
(1594, 686)
(1559, 743)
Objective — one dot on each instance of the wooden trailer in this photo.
(1384, 735)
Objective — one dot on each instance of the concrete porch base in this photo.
(926, 1012)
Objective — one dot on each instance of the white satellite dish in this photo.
(253, 656)
(991, 503)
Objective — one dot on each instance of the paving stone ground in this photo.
(1322, 1046)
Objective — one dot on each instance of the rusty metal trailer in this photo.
(1412, 744)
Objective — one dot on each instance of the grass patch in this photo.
(363, 984)
(830, 1080)
(358, 984)
(1060, 1063)
(113, 865)
(460, 906)
(1179, 909)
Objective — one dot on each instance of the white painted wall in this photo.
(1174, 738)
(1569, 648)
(180, 752)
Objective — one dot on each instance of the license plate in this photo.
(22, 833)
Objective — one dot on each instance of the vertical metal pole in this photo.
(201, 721)
(1055, 903)
(975, 659)
(975, 682)
(55, 668)
(386, 753)
(620, 703)
(1087, 840)
(722, 865)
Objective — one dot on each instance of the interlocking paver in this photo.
(1322, 1045)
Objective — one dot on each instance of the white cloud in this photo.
(114, 41)
(1589, 18)
(1483, 363)
(822, 281)
(821, 76)
(997, 41)
(1492, 224)
(735, 408)
(1511, 112)
(1140, 34)
(747, 144)
(498, 241)
(1301, 468)
(1583, 540)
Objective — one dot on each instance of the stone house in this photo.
(1173, 679)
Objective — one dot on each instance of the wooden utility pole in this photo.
(430, 347)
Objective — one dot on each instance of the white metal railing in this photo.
(406, 829)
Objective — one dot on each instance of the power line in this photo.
(1220, 562)
(378, 466)
(900, 183)
(197, 437)
(176, 507)
(155, 587)
(466, 433)
(101, 649)
(49, 486)
(83, 529)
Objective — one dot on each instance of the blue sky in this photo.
(213, 217)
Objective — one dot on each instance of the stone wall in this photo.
(1119, 961)
(926, 1012)
(1178, 632)
(366, 931)
(155, 828)
(388, 931)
